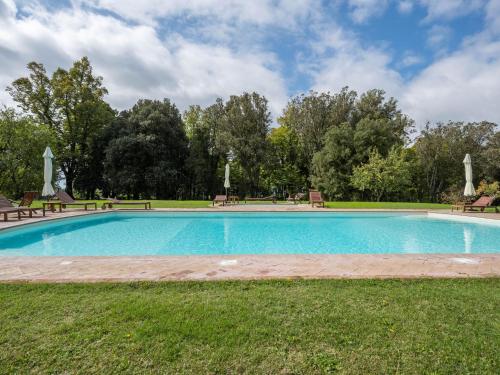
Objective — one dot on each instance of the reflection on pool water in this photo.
(207, 233)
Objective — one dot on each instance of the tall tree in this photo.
(440, 151)
(247, 123)
(373, 124)
(281, 171)
(22, 143)
(148, 158)
(71, 104)
(312, 115)
(207, 148)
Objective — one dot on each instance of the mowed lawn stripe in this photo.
(296, 326)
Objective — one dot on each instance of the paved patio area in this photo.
(90, 269)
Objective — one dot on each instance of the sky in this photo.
(439, 58)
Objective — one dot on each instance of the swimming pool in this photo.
(222, 233)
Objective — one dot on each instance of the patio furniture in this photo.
(271, 198)
(220, 199)
(233, 199)
(7, 207)
(480, 204)
(315, 197)
(296, 198)
(113, 201)
(51, 206)
(66, 200)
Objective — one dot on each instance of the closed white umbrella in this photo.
(469, 187)
(47, 190)
(227, 185)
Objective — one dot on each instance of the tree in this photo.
(491, 157)
(22, 143)
(246, 124)
(207, 148)
(148, 157)
(440, 151)
(281, 170)
(332, 166)
(373, 124)
(381, 176)
(312, 115)
(71, 104)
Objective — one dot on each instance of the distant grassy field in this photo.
(388, 205)
(340, 205)
(268, 327)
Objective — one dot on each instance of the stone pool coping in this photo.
(241, 267)
(247, 267)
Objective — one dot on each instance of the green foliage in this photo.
(440, 151)
(22, 143)
(330, 141)
(147, 159)
(381, 176)
(71, 104)
(207, 149)
(246, 124)
(281, 173)
(491, 189)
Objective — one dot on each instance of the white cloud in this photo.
(448, 9)
(262, 12)
(462, 86)
(134, 61)
(438, 36)
(342, 60)
(405, 6)
(410, 59)
(362, 10)
(493, 16)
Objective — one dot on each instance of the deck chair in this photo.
(315, 197)
(480, 204)
(6, 207)
(66, 200)
(220, 199)
(113, 201)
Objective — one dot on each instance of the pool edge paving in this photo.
(246, 267)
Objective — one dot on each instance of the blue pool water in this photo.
(188, 233)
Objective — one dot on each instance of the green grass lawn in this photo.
(388, 205)
(344, 205)
(154, 204)
(285, 327)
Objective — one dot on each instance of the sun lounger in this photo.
(270, 198)
(6, 207)
(480, 204)
(66, 200)
(27, 200)
(315, 197)
(112, 201)
(296, 198)
(220, 199)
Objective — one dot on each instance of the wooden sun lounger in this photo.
(5, 211)
(66, 200)
(7, 207)
(296, 198)
(220, 199)
(111, 202)
(480, 204)
(315, 197)
(271, 198)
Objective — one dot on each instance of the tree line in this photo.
(350, 146)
